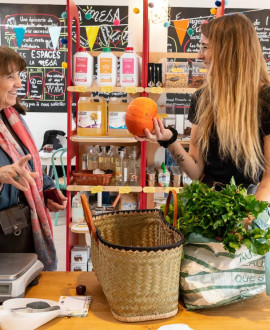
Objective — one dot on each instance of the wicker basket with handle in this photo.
(136, 256)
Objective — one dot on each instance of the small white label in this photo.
(89, 119)
(117, 120)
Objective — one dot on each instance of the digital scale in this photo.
(17, 271)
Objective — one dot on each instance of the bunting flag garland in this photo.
(91, 32)
(19, 32)
(181, 29)
(54, 33)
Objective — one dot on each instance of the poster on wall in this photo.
(184, 36)
(39, 34)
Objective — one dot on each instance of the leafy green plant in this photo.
(219, 214)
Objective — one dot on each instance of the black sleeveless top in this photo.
(222, 170)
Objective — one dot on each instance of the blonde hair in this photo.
(229, 99)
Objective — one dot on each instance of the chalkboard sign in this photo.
(44, 82)
(180, 41)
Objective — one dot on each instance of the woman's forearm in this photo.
(187, 163)
(263, 191)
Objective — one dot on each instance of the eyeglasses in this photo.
(204, 48)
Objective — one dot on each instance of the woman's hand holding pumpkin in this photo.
(159, 133)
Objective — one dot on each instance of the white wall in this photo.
(40, 122)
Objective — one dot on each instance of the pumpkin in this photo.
(140, 114)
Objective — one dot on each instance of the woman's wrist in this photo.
(173, 138)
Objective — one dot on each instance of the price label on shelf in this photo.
(106, 89)
(149, 190)
(157, 90)
(131, 90)
(168, 189)
(80, 89)
(124, 190)
(96, 189)
(162, 115)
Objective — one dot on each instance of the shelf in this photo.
(156, 56)
(160, 90)
(125, 189)
(105, 89)
(152, 190)
(103, 139)
(78, 228)
(132, 90)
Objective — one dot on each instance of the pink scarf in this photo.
(40, 217)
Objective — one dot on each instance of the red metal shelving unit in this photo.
(72, 148)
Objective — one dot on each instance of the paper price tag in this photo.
(96, 189)
(124, 190)
(168, 189)
(107, 89)
(162, 115)
(131, 90)
(157, 90)
(81, 89)
(149, 190)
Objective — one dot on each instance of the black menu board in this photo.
(44, 82)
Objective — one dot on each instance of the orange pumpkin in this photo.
(140, 114)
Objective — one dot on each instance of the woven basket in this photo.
(136, 256)
(85, 177)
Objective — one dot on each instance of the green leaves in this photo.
(213, 213)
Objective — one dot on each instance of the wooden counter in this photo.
(250, 314)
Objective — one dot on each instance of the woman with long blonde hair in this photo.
(230, 114)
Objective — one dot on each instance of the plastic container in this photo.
(82, 68)
(77, 210)
(107, 68)
(198, 74)
(129, 68)
(164, 177)
(117, 108)
(92, 116)
(177, 75)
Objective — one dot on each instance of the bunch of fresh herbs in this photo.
(220, 214)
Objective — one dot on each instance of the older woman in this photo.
(25, 224)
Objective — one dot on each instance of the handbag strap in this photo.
(88, 217)
(175, 202)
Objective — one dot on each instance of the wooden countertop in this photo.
(250, 314)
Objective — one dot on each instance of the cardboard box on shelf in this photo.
(80, 254)
(129, 202)
(78, 267)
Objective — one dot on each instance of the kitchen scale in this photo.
(17, 271)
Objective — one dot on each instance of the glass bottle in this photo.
(92, 159)
(102, 159)
(118, 168)
(125, 167)
(134, 169)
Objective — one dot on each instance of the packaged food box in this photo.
(79, 255)
(75, 267)
(176, 75)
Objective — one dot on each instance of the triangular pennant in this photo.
(54, 33)
(91, 32)
(181, 29)
(19, 32)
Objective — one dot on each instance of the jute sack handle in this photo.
(175, 202)
(88, 215)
